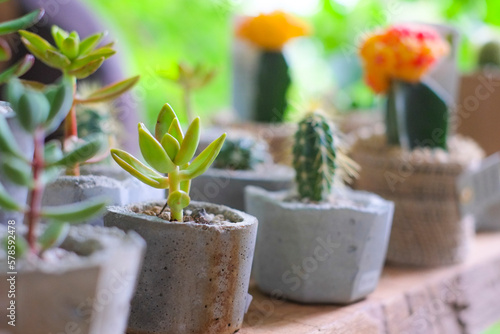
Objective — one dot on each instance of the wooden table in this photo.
(457, 299)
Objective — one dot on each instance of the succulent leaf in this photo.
(61, 100)
(204, 160)
(8, 143)
(89, 43)
(23, 22)
(164, 120)
(87, 69)
(111, 92)
(18, 172)
(139, 170)
(83, 152)
(18, 69)
(171, 145)
(33, 109)
(189, 144)
(59, 35)
(76, 212)
(7, 202)
(177, 201)
(175, 130)
(152, 151)
(5, 51)
(53, 235)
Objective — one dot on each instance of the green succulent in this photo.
(314, 157)
(40, 111)
(8, 27)
(76, 59)
(241, 154)
(170, 151)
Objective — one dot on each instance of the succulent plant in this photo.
(9, 27)
(489, 54)
(189, 78)
(39, 113)
(77, 59)
(314, 157)
(242, 154)
(170, 152)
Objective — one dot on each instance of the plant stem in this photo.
(187, 103)
(175, 185)
(71, 130)
(35, 203)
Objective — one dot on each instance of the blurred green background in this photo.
(155, 35)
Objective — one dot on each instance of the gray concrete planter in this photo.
(18, 193)
(87, 291)
(99, 180)
(320, 253)
(195, 277)
(227, 187)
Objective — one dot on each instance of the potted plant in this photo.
(242, 161)
(197, 266)
(415, 163)
(17, 193)
(78, 59)
(261, 77)
(325, 244)
(59, 277)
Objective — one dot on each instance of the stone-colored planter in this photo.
(428, 229)
(85, 292)
(195, 277)
(18, 193)
(320, 253)
(99, 180)
(227, 187)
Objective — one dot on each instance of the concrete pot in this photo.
(227, 187)
(87, 293)
(195, 277)
(18, 193)
(99, 180)
(320, 253)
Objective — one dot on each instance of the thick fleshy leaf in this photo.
(61, 100)
(53, 152)
(71, 45)
(87, 69)
(53, 235)
(153, 152)
(20, 245)
(76, 212)
(110, 92)
(5, 51)
(40, 55)
(7, 202)
(23, 22)
(175, 130)
(18, 69)
(18, 172)
(204, 160)
(189, 144)
(32, 110)
(164, 120)
(13, 91)
(171, 145)
(90, 42)
(178, 200)
(38, 43)
(83, 152)
(57, 59)
(59, 35)
(139, 170)
(8, 143)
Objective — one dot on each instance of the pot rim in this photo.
(271, 174)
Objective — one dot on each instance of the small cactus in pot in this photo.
(243, 153)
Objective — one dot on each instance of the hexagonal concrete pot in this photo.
(25, 143)
(195, 276)
(227, 187)
(99, 180)
(86, 290)
(320, 253)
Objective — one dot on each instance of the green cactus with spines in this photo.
(241, 154)
(314, 157)
(489, 54)
(170, 151)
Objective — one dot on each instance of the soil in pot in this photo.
(196, 273)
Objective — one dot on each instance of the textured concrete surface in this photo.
(320, 253)
(109, 181)
(86, 294)
(195, 277)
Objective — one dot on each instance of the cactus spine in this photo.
(314, 158)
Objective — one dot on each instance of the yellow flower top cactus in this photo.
(404, 52)
(272, 31)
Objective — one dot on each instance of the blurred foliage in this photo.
(161, 33)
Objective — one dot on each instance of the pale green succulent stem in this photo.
(175, 185)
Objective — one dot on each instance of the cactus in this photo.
(273, 81)
(170, 151)
(314, 157)
(242, 154)
(39, 113)
(489, 54)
